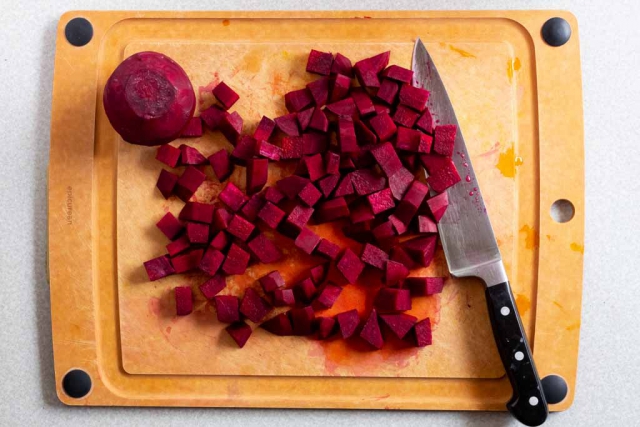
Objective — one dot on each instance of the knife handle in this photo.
(527, 404)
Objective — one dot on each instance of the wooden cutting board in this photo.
(519, 103)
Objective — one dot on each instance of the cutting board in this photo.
(518, 102)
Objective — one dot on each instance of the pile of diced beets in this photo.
(360, 152)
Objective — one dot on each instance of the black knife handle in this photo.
(527, 404)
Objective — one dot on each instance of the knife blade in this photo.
(471, 250)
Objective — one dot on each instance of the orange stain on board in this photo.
(226, 22)
(530, 236)
(252, 61)
(513, 66)
(462, 53)
(168, 330)
(577, 247)
(507, 162)
(523, 303)
(573, 326)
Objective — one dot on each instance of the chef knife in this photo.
(472, 251)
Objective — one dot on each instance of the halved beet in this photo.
(350, 265)
(326, 327)
(366, 181)
(233, 197)
(225, 95)
(221, 164)
(342, 65)
(231, 127)
(257, 174)
(328, 184)
(188, 261)
(348, 322)
(339, 87)
(166, 183)
(291, 147)
(319, 121)
(319, 62)
(381, 201)
(284, 298)
(149, 99)
(268, 150)
(328, 249)
(347, 136)
(288, 124)
(197, 233)
(444, 177)
(169, 155)
(395, 272)
(240, 227)
(327, 297)
(158, 268)
(315, 166)
(363, 102)
(265, 129)
(299, 217)
(291, 185)
(211, 261)
(360, 212)
(310, 194)
(426, 224)
(179, 245)
(227, 308)
(397, 73)
(184, 300)
(398, 254)
(213, 286)
(411, 201)
(399, 324)
(438, 205)
(219, 241)
(264, 250)
(414, 97)
(319, 90)
(393, 299)
(271, 281)
(374, 256)
(170, 226)
(367, 70)
(305, 290)
(343, 108)
(236, 261)
(388, 91)
(345, 187)
(253, 306)
(188, 183)
(424, 286)
(383, 126)
(273, 195)
(239, 332)
(193, 128)
(252, 207)
(307, 241)
(197, 212)
(271, 215)
(366, 137)
(304, 118)
(422, 249)
(212, 117)
(244, 150)
(221, 218)
(302, 320)
(400, 182)
(422, 333)
(314, 142)
(332, 210)
(371, 331)
(318, 273)
(425, 122)
(278, 325)
(405, 116)
(387, 158)
(444, 139)
(298, 100)
(191, 156)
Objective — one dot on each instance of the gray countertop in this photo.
(608, 382)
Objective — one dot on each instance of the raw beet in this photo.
(314, 142)
(422, 333)
(188, 183)
(384, 233)
(225, 95)
(398, 254)
(197, 233)
(193, 128)
(158, 268)
(236, 261)
(363, 102)
(387, 158)
(298, 100)
(318, 273)
(350, 266)
(326, 327)
(412, 140)
(414, 97)
(328, 184)
(298, 217)
(278, 325)
(252, 207)
(149, 99)
(239, 332)
(213, 286)
(257, 174)
(304, 118)
(265, 129)
(388, 91)
(331, 210)
(233, 197)
(271, 215)
(221, 218)
(264, 250)
(366, 181)
(309, 194)
(327, 296)
(422, 249)
(231, 127)
(219, 241)
(398, 225)
(425, 122)
(267, 150)
(426, 225)
(271, 281)
(328, 249)
(405, 116)
(197, 212)
(374, 256)
(411, 201)
(227, 308)
(212, 117)
(424, 286)
(179, 245)
(244, 150)
(345, 187)
(288, 124)
(381, 201)
(366, 137)
(315, 166)
(399, 182)
(399, 324)
(339, 87)
(291, 147)
(253, 306)
(307, 241)
(319, 121)
(445, 138)
(360, 212)
(392, 299)
(291, 185)
(348, 322)
(284, 298)
(444, 177)
(438, 205)
(170, 226)
(342, 65)
(347, 136)
(166, 183)
(383, 126)
(184, 300)
(319, 62)
(305, 290)
(399, 74)
(169, 155)
(211, 261)
(395, 272)
(221, 164)
(188, 261)
(191, 156)
(367, 70)
(240, 227)
(343, 108)
(302, 320)
(273, 195)
(371, 331)
(319, 90)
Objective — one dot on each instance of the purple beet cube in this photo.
(438, 205)
(315, 166)
(414, 97)
(342, 65)
(271, 215)
(425, 122)
(328, 184)
(288, 124)
(319, 62)
(348, 322)
(433, 162)
(273, 195)
(179, 245)
(225, 95)
(213, 286)
(239, 332)
(257, 174)
(366, 137)
(384, 233)
(302, 320)
(292, 147)
(366, 181)
(187, 262)
(252, 207)
(347, 136)
(332, 163)
(381, 108)
(211, 261)
(346, 163)
(267, 150)
(227, 308)
(328, 249)
(422, 249)
(253, 306)
(319, 121)
(307, 241)
(400, 182)
(393, 299)
(197, 212)
(213, 116)
(398, 254)
(395, 272)
(166, 183)
(233, 197)
(405, 116)
(398, 74)
(197, 233)
(221, 218)
(219, 241)
(319, 92)
(284, 298)
(399, 324)
(264, 250)
(424, 286)
(345, 187)
(388, 91)
(318, 273)
(326, 327)
(231, 127)
(184, 300)
(444, 177)
(310, 194)
(387, 158)
(371, 331)
(360, 212)
(188, 183)
(265, 129)
(350, 265)
(221, 164)
(271, 281)
(398, 225)
(237, 260)
(240, 227)
(367, 70)
(445, 138)
(411, 201)
(338, 87)
(291, 185)
(314, 143)
(332, 210)
(304, 118)
(170, 226)
(422, 333)
(374, 256)
(298, 100)
(426, 224)
(305, 290)
(158, 268)
(381, 201)
(383, 126)
(299, 217)
(345, 108)
(278, 325)
(363, 102)
(169, 155)
(244, 150)
(407, 139)
(191, 156)
(327, 297)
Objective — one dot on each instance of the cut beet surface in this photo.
(346, 163)
(169, 155)
(319, 121)
(350, 265)
(387, 158)
(291, 185)
(328, 249)
(426, 225)
(444, 139)
(213, 116)
(188, 261)
(166, 183)
(398, 225)
(345, 187)
(170, 226)
(425, 122)
(219, 241)
(188, 183)
(221, 218)
(318, 273)
(399, 74)
(422, 333)
(291, 147)
(240, 227)
(327, 296)
(273, 195)
(319, 90)
(239, 332)
(244, 150)
(233, 197)
(395, 272)
(374, 256)
(347, 136)
(197, 233)
(314, 142)
(253, 306)
(388, 91)
(413, 97)
(381, 201)
(363, 102)
(213, 286)
(278, 325)
(265, 129)
(444, 177)
(342, 65)
(392, 299)
(438, 205)
(332, 210)
(193, 128)
(236, 261)
(383, 126)
(231, 127)
(288, 124)
(307, 241)
(179, 245)
(424, 286)
(211, 261)
(326, 327)
(328, 184)
(319, 62)
(158, 268)
(298, 218)
(366, 137)
(264, 250)
(298, 100)
(227, 308)
(271, 215)
(221, 164)
(304, 118)
(384, 233)
(184, 300)
(197, 212)
(399, 182)
(399, 324)
(371, 331)
(315, 166)
(360, 212)
(225, 95)
(366, 181)
(267, 150)
(252, 207)
(422, 249)
(367, 70)
(257, 174)
(191, 156)
(271, 281)
(348, 322)
(305, 290)
(284, 298)
(398, 254)
(338, 87)
(409, 139)
(360, 232)
(410, 203)
(302, 320)
(343, 108)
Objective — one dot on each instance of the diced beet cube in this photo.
(328, 184)
(438, 205)
(383, 126)
(361, 212)
(233, 197)
(240, 227)
(363, 102)
(426, 224)
(348, 322)
(422, 333)
(327, 297)
(414, 97)
(328, 249)
(170, 226)
(339, 87)
(168, 155)
(189, 182)
(221, 164)
(271, 281)
(388, 91)
(239, 332)
(407, 139)
(371, 331)
(231, 127)
(225, 95)
(227, 308)
(166, 183)
(302, 320)
(405, 116)
(219, 241)
(326, 327)
(284, 298)
(319, 62)
(192, 129)
(221, 218)
(257, 174)
(292, 147)
(395, 272)
(342, 65)
(399, 182)
(366, 181)
(197, 233)
(181, 244)
(399, 324)
(309, 194)
(347, 136)
(318, 273)
(387, 158)
(213, 286)
(398, 225)
(411, 201)
(213, 116)
(288, 124)
(273, 195)
(319, 121)
(264, 250)
(267, 150)
(343, 108)
(424, 286)
(197, 212)
(381, 108)
(384, 233)
(444, 177)
(374, 256)
(365, 136)
(363, 159)
(188, 261)
(291, 185)
(315, 166)
(298, 100)
(425, 122)
(346, 163)
(314, 143)
(381, 201)
(393, 299)
(211, 261)
(299, 217)
(271, 215)
(399, 74)
(424, 146)
(244, 150)
(398, 254)
(253, 306)
(345, 187)
(304, 118)
(278, 325)
(307, 241)
(445, 138)
(252, 207)
(319, 90)
(158, 268)
(236, 261)
(360, 232)
(191, 156)
(265, 129)
(332, 210)
(367, 70)
(184, 300)
(305, 290)
(422, 249)
(350, 265)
